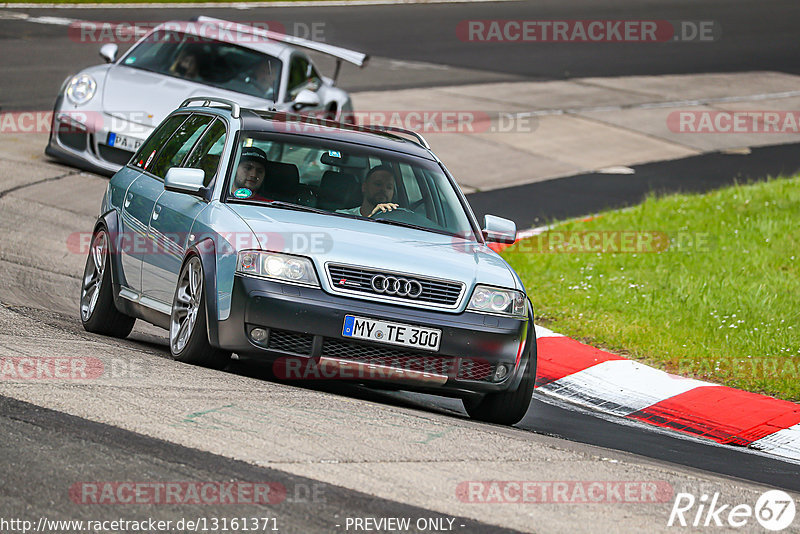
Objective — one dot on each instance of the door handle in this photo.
(156, 212)
(128, 199)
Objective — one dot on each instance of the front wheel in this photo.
(188, 330)
(98, 313)
(508, 407)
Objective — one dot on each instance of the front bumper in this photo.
(85, 145)
(305, 329)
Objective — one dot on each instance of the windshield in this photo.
(209, 62)
(346, 180)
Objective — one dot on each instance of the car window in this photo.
(411, 188)
(207, 152)
(146, 155)
(203, 60)
(308, 164)
(180, 144)
(302, 75)
(344, 180)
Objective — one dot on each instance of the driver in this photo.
(378, 192)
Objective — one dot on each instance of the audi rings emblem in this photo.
(399, 287)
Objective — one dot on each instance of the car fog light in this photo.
(258, 334)
(500, 373)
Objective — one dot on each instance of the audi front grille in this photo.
(395, 287)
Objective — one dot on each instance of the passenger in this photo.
(250, 173)
(378, 192)
(264, 76)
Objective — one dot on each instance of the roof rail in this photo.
(396, 129)
(209, 100)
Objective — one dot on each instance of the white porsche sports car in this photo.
(104, 113)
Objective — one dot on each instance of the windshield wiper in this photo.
(409, 225)
(293, 206)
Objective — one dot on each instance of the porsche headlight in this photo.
(81, 89)
(283, 267)
(487, 299)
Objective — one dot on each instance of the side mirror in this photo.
(183, 180)
(304, 99)
(498, 230)
(109, 52)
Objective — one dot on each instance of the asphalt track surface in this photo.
(753, 36)
(42, 479)
(539, 203)
(756, 36)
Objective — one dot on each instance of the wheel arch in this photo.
(528, 364)
(205, 251)
(109, 221)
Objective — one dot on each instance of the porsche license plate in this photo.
(124, 142)
(417, 337)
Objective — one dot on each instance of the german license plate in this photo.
(124, 142)
(407, 335)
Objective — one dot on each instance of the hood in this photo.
(145, 97)
(328, 238)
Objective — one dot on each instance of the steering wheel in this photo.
(384, 214)
(403, 215)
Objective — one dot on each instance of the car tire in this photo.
(508, 407)
(98, 313)
(188, 327)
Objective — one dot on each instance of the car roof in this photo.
(270, 121)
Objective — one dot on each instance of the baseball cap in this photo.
(255, 154)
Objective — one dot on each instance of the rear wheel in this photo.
(188, 328)
(508, 407)
(98, 313)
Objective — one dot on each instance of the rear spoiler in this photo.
(341, 54)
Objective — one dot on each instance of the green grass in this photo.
(721, 303)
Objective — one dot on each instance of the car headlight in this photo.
(81, 89)
(487, 299)
(283, 267)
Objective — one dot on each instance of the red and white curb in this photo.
(604, 382)
(598, 380)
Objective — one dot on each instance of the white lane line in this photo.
(619, 387)
(546, 332)
(784, 443)
(244, 5)
(56, 21)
